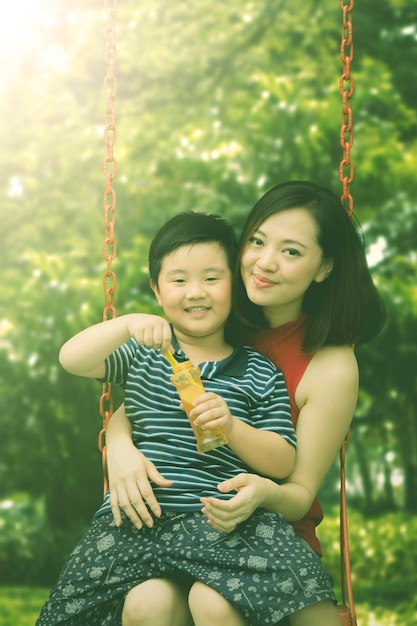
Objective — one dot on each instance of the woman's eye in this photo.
(255, 241)
(291, 252)
(210, 279)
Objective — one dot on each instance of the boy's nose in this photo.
(196, 290)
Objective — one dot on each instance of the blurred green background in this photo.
(216, 102)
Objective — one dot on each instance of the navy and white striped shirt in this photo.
(253, 388)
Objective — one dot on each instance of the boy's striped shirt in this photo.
(253, 388)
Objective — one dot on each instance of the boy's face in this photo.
(195, 290)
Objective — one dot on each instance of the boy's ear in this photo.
(324, 271)
(156, 292)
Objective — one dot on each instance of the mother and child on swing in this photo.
(225, 537)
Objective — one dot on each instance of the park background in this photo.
(216, 102)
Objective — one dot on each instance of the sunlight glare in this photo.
(17, 24)
(376, 252)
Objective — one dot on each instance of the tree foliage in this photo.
(216, 102)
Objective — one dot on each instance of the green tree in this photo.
(216, 102)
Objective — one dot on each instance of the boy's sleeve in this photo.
(274, 410)
(118, 363)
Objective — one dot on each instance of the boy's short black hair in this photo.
(190, 228)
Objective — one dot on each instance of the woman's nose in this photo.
(267, 260)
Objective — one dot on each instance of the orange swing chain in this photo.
(346, 170)
(347, 612)
(109, 247)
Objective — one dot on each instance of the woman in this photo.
(304, 296)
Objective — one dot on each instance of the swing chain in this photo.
(346, 170)
(110, 163)
(109, 246)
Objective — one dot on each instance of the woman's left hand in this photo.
(225, 515)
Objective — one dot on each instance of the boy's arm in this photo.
(130, 473)
(266, 452)
(85, 353)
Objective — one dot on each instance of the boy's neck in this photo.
(199, 349)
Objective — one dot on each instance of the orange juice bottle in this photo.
(188, 383)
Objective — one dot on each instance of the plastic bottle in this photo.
(188, 383)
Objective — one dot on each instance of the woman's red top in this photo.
(283, 346)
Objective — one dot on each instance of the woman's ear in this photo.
(156, 292)
(324, 271)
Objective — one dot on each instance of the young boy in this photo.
(191, 261)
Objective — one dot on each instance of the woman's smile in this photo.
(261, 282)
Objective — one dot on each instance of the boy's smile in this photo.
(195, 290)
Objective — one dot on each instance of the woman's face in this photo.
(279, 263)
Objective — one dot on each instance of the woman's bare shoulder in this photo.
(331, 356)
(331, 367)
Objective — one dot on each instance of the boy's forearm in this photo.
(85, 353)
(266, 452)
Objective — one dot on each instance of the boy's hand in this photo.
(211, 411)
(150, 330)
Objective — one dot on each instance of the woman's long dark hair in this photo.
(346, 307)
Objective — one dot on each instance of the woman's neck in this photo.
(280, 315)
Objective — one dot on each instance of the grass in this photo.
(404, 615)
(20, 606)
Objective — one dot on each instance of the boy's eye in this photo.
(211, 278)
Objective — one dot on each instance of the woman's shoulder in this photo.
(331, 378)
(331, 367)
(343, 353)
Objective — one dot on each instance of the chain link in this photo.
(346, 169)
(109, 245)
(110, 164)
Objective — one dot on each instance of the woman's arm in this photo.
(130, 473)
(327, 395)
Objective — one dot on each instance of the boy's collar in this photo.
(233, 365)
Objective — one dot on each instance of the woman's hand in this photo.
(130, 490)
(252, 490)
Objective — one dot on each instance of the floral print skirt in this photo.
(262, 568)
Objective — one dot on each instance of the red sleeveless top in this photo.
(283, 346)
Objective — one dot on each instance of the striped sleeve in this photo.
(118, 363)
(272, 410)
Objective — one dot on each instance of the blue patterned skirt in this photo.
(262, 568)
